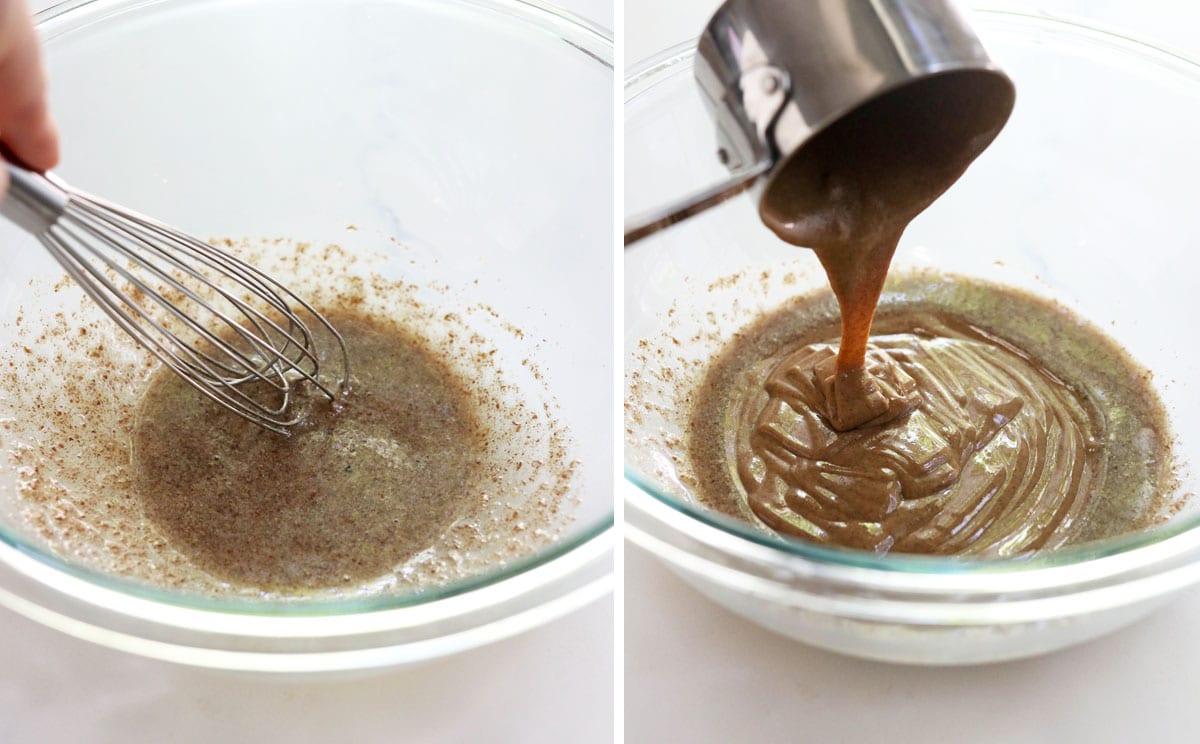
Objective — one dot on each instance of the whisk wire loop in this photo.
(230, 330)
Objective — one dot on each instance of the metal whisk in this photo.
(232, 332)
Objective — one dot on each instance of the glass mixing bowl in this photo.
(1086, 197)
(476, 134)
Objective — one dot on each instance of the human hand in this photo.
(26, 127)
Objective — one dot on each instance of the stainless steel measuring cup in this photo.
(775, 72)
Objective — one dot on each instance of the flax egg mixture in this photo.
(358, 488)
(446, 460)
(975, 420)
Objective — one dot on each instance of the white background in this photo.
(696, 673)
(549, 685)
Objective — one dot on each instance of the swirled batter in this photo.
(1015, 443)
(953, 431)
(992, 449)
(850, 191)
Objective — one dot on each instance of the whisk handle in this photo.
(33, 201)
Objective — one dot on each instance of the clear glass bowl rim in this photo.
(588, 39)
(729, 543)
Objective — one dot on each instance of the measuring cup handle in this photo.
(651, 222)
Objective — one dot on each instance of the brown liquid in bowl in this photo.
(1030, 429)
(351, 494)
(75, 403)
(951, 432)
(850, 191)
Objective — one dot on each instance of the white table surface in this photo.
(550, 684)
(694, 672)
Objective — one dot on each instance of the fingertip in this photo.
(35, 144)
(41, 144)
(50, 145)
